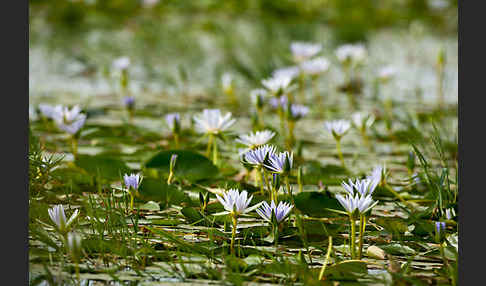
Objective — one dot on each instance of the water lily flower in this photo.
(50, 111)
(315, 66)
(129, 102)
(338, 128)
(298, 111)
(121, 63)
(235, 202)
(256, 139)
(58, 216)
(277, 85)
(289, 72)
(70, 120)
(302, 51)
(280, 163)
(362, 121)
(281, 211)
(351, 54)
(227, 82)
(132, 183)
(211, 121)
(386, 73)
(256, 157)
(378, 175)
(359, 202)
(363, 187)
(173, 120)
(440, 228)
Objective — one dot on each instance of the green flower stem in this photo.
(265, 177)
(260, 118)
(291, 140)
(282, 120)
(131, 201)
(210, 142)
(215, 153)
(74, 146)
(301, 85)
(338, 148)
(287, 186)
(275, 236)
(233, 233)
(176, 140)
(353, 237)
(396, 194)
(261, 176)
(362, 226)
(326, 260)
(365, 138)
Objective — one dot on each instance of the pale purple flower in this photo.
(276, 102)
(280, 163)
(173, 120)
(129, 102)
(315, 66)
(298, 111)
(378, 175)
(256, 157)
(256, 139)
(235, 202)
(70, 120)
(302, 51)
(277, 85)
(363, 187)
(132, 181)
(281, 211)
(289, 72)
(121, 63)
(50, 111)
(212, 122)
(357, 202)
(58, 216)
(337, 128)
(440, 227)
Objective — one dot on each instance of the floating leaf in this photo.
(103, 166)
(315, 204)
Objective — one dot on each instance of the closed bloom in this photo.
(281, 211)
(316, 66)
(302, 51)
(351, 54)
(290, 72)
(337, 127)
(212, 122)
(121, 63)
(235, 202)
(58, 216)
(440, 227)
(362, 121)
(227, 82)
(280, 163)
(256, 139)
(258, 96)
(277, 85)
(173, 120)
(70, 120)
(378, 175)
(256, 157)
(132, 181)
(298, 111)
(129, 102)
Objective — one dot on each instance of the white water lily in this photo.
(290, 72)
(353, 54)
(121, 63)
(277, 85)
(235, 202)
(211, 121)
(50, 111)
(256, 139)
(69, 120)
(338, 128)
(363, 187)
(302, 51)
(58, 216)
(315, 66)
(357, 202)
(256, 157)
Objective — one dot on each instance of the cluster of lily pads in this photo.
(270, 167)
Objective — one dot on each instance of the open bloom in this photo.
(277, 84)
(173, 120)
(351, 54)
(363, 187)
(290, 72)
(256, 157)
(302, 51)
(121, 63)
(58, 216)
(50, 111)
(235, 202)
(298, 111)
(132, 181)
(69, 120)
(256, 139)
(315, 66)
(280, 163)
(362, 121)
(338, 127)
(212, 122)
(281, 211)
(357, 202)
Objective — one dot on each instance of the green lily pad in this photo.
(106, 167)
(315, 204)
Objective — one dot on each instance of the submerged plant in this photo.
(212, 123)
(236, 204)
(338, 128)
